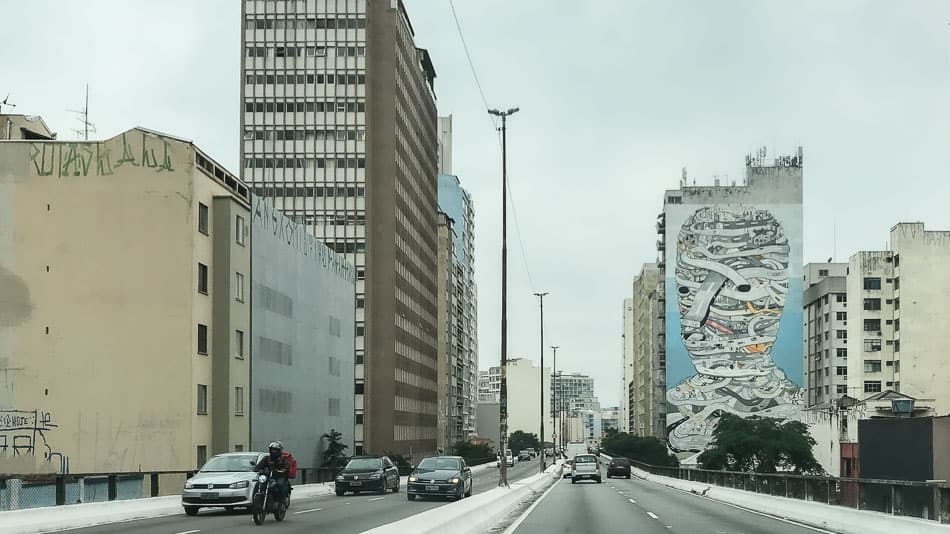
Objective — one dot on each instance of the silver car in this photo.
(224, 481)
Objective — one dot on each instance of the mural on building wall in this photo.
(101, 158)
(25, 433)
(729, 348)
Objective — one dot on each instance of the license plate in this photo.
(356, 483)
(209, 495)
(432, 488)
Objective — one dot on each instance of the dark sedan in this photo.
(619, 467)
(440, 476)
(368, 473)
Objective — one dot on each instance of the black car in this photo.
(368, 473)
(440, 476)
(619, 467)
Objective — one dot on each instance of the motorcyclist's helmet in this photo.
(276, 448)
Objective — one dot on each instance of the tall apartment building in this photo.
(450, 368)
(732, 294)
(340, 129)
(456, 203)
(897, 309)
(573, 392)
(626, 381)
(125, 269)
(825, 326)
(648, 382)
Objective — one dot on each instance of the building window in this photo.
(239, 344)
(872, 386)
(359, 419)
(359, 356)
(841, 316)
(361, 273)
(203, 218)
(202, 456)
(360, 301)
(897, 345)
(239, 230)
(822, 272)
(360, 328)
(238, 400)
(841, 297)
(872, 345)
(202, 399)
(841, 389)
(871, 283)
(239, 287)
(841, 370)
(239, 448)
(842, 352)
(333, 407)
(872, 325)
(872, 366)
(897, 283)
(897, 325)
(202, 278)
(897, 260)
(359, 388)
(841, 334)
(897, 303)
(872, 304)
(202, 339)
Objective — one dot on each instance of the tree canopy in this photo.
(473, 453)
(648, 449)
(519, 441)
(335, 454)
(761, 445)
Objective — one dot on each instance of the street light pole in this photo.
(541, 386)
(503, 393)
(556, 429)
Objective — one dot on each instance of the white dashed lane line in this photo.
(651, 514)
(307, 511)
(375, 499)
(632, 501)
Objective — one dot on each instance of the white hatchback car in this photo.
(224, 481)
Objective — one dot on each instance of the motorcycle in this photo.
(263, 502)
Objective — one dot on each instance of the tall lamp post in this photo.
(541, 386)
(556, 429)
(503, 393)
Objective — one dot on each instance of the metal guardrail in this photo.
(926, 500)
(19, 491)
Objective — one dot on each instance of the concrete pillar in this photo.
(82, 489)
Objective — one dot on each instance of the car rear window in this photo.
(622, 462)
(586, 459)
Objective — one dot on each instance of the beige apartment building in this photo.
(124, 287)
(648, 386)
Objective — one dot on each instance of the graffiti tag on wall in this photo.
(132, 149)
(24, 433)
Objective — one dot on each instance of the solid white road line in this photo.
(632, 501)
(375, 499)
(189, 532)
(651, 514)
(307, 511)
(514, 526)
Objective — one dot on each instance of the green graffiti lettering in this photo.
(166, 164)
(103, 163)
(43, 166)
(127, 155)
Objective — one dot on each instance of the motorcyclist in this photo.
(278, 465)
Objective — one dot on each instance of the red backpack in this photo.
(292, 472)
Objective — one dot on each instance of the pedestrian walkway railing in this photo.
(19, 491)
(923, 499)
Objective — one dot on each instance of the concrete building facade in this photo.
(574, 391)
(340, 129)
(301, 341)
(896, 300)
(124, 273)
(648, 383)
(524, 397)
(626, 382)
(489, 384)
(825, 315)
(731, 258)
(24, 127)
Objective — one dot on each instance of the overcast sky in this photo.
(615, 96)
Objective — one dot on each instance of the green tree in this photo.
(648, 449)
(761, 445)
(519, 441)
(334, 456)
(473, 453)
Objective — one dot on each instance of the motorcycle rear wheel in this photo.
(280, 512)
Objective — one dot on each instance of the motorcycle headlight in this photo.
(412, 479)
(455, 480)
(262, 479)
(239, 485)
(188, 484)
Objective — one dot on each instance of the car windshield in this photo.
(438, 464)
(621, 462)
(232, 463)
(586, 459)
(365, 463)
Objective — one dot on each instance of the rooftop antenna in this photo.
(6, 102)
(84, 119)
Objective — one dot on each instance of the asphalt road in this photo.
(620, 506)
(341, 515)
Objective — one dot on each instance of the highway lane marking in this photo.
(632, 501)
(514, 526)
(375, 499)
(654, 516)
(189, 532)
(307, 511)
